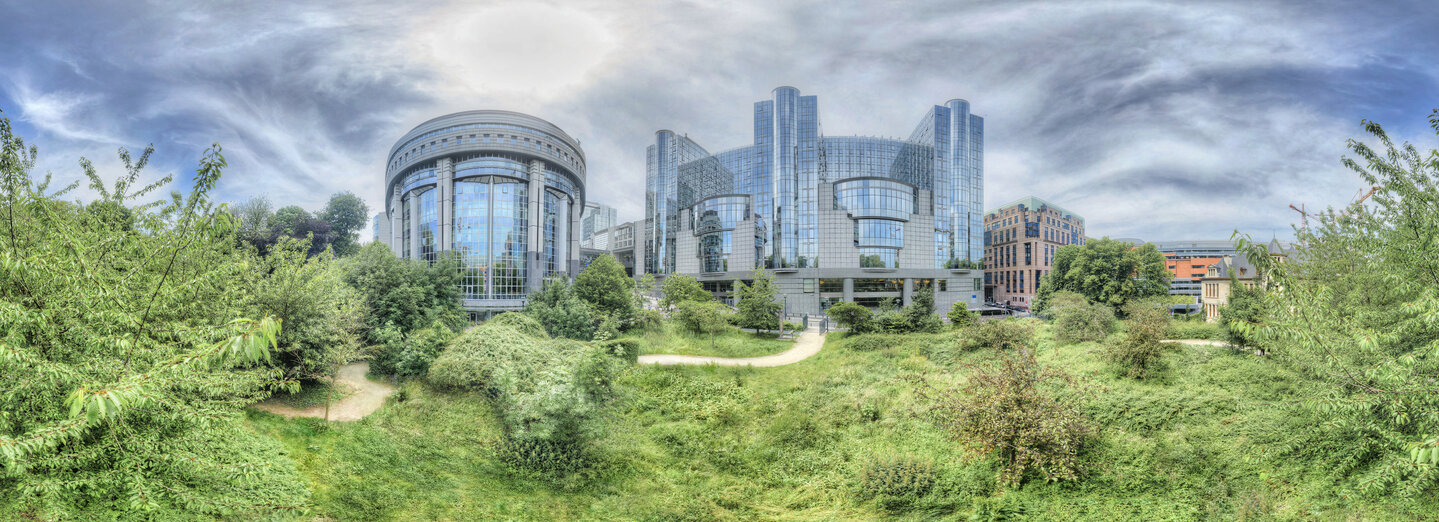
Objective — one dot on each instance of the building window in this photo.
(831, 285)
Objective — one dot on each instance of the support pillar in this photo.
(445, 184)
(848, 290)
(397, 221)
(534, 227)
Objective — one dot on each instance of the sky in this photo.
(1151, 119)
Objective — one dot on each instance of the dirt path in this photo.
(1209, 342)
(368, 396)
(806, 346)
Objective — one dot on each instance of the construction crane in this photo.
(1301, 209)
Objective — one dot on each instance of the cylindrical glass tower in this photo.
(504, 191)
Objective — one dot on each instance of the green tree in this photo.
(851, 315)
(757, 307)
(607, 289)
(405, 294)
(1139, 353)
(1012, 410)
(1105, 271)
(919, 314)
(679, 288)
(1242, 316)
(319, 313)
(960, 316)
(347, 215)
(644, 290)
(1076, 320)
(1353, 313)
(703, 317)
(254, 220)
(562, 313)
(125, 360)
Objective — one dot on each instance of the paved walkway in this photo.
(806, 346)
(368, 396)
(1209, 342)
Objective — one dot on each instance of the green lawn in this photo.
(312, 393)
(788, 443)
(732, 343)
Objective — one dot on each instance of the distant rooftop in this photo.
(1034, 203)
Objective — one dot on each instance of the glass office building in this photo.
(812, 207)
(503, 191)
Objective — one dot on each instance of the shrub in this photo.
(1007, 334)
(1139, 352)
(562, 313)
(792, 327)
(870, 342)
(960, 316)
(1081, 322)
(649, 320)
(1195, 330)
(520, 322)
(910, 477)
(475, 359)
(409, 355)
(1242, 315)
(679, 288)
(1010, 410)
(625, 349)
(851, 315)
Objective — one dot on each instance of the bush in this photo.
(520, 322)
(960, 316)
(625, 349)
(409, 355)
(562, 313)
(1242, 315)
(1139, 352)
(1007, 334)
(870, 342)
(1010, 410)
(1081, 322)
(549, 392)
(649, 320)
(475, 359)
(851, 315)
(792, 327)
(1195, 330)
(907, 477)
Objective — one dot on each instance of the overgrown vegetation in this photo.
(1139, 353)
(1104, 271)
(1076, 320)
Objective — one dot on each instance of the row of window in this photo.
(417, 146)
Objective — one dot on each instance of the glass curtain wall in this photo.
(489, 232)
(429, 225)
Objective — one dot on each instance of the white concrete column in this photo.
(414, 227)
(534, 226)
(572, 256)
(396, 221)
(445, 184)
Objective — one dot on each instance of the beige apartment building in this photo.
(1020, 239)
(1220, 278)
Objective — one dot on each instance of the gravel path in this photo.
(368, 396)
(807, 345)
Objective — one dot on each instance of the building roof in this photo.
(1238, 265)
(1034, 203)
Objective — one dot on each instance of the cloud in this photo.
(1151, 118)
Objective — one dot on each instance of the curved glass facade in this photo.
(874, 198)
(936, 172)
(474, 182)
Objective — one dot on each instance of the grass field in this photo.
(789, 443)
(731, 343)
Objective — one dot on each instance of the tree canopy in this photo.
(1105, 271)
(606, 288)
(757, 306)
(125, 356)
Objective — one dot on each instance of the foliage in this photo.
(520, 322)
(1139, 352)
(757, 307)
(703, 317)
(347, 215)
(1105, 271)
(896, 477)
(1014, 410)
(919, 314)
(1192, 329)
(644, 290)
(852, 315)
(403, 294)
(627, 350)
(1076, 320)
(562, 313)
(1003, 335)
(1356, 313)
(125, 359)
(960, 316)
(1243, 314)
(320, 315)
(409, 355)
(607, 289)
(679, 288)
(548, 391)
